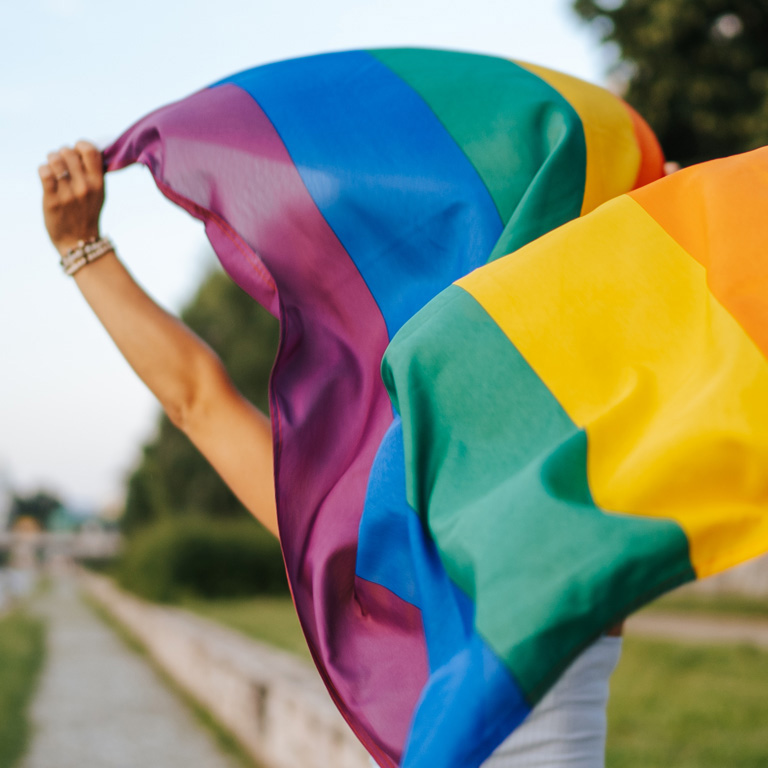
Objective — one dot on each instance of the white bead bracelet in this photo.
(84, 253)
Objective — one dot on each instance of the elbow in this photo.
(181, 403)
(191, 403)
(178, 412)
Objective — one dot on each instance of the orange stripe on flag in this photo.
(651, 155)
(717, 213)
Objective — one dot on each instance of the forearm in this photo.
(166, 355)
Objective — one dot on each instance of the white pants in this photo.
(567, 728)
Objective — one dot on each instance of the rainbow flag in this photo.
(344, 192)
(585, 421)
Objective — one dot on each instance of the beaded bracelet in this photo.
(85, 252)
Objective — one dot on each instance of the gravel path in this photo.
(100, 705)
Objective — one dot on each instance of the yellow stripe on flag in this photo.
(613, 157)
(616, 319)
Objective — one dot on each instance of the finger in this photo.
(92, 161)
(60, 171)
(47, 179)
(74, 166)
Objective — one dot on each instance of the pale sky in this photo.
(72, 414)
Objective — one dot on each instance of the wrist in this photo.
(85, 252)
(69, 243)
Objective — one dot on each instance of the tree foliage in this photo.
(697, 71)
(38, 506)
(204, 558)
(172, 478)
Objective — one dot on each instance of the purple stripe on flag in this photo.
(326, 390)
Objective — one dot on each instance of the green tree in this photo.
(38, 506)
(697, 71)
(172, 478)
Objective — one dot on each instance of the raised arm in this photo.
(181, 370)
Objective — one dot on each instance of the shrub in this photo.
(105, 565)
(202, 558)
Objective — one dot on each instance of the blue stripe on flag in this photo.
(470, 702)
(401, 196)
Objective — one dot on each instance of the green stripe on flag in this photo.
(500, 472)
(524, 139)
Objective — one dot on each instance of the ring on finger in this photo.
(62, 175)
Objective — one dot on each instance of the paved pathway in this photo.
(100, 705)
(689, 627)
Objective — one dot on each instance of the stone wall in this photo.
(749, 579)
(273, 703)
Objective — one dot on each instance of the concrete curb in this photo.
(273, 703)
(749, 579)
(690, 628)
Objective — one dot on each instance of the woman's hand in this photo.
(73, 194)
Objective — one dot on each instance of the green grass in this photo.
(688, 706)
(272, 620)
(22, 649)
(226, 741)
(686, 601)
